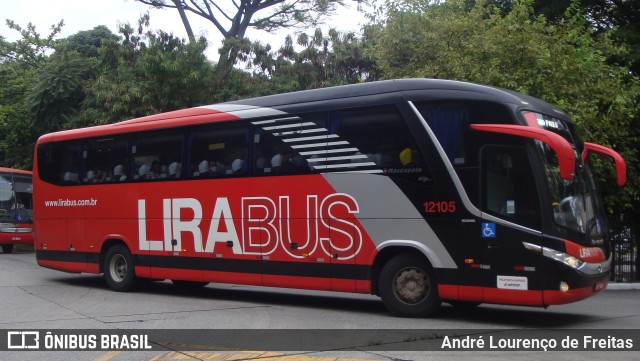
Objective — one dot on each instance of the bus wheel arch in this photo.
(118, 266)
(391, 249)
(405, 280)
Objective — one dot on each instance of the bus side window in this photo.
(218, 150)
(380, 141)
(449, 121)
(59, 163)
(152, 153)
(101, 157)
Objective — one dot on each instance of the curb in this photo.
(623, 286)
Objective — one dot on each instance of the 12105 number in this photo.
(440, 207)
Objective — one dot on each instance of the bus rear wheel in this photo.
(408, 287)
(119, 269)
(7, 248)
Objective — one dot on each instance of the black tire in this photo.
(189, 285)
(7, 248)
(119, 269)
(408, 287)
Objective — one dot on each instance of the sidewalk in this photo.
(615, 286)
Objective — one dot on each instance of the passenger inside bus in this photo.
(143, 171)
(118, 174)
(155, 172)
(237, 167)
(175, 169)
(203, 169)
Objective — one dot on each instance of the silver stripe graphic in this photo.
(298, 134)
(303, 131)
(368, 171)
(326, 151)
(303, 139)
(346, 157)
(287, 126)
(244, 111)
(389, 217)
(342, 142)
(346, 165)
(273, 121)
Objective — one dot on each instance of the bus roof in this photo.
(260, 106)
(400, 85)
(12, 170)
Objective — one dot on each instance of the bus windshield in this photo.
(15, 198)
(571, 200)
(574, 201)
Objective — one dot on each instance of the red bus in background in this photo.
(417, 190)
(16, 208)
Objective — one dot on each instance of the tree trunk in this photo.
(185, 21)
(226, 61)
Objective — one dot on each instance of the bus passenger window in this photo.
(153, 152)
(379, 142)
(59, 163)
(101, 156)
(449, 122)
(218, 150)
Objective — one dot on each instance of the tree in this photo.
(560, 62)
(620, 18)
(19, 64)
(234, 18)
(322, 60)
(31, 49)
(87, 42)
(145, 73)
(16, 134)
(56, 94)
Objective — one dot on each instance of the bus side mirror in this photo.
(621, 167)
(564, 150)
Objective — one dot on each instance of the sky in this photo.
(79, 15)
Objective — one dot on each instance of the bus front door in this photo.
(511, 216)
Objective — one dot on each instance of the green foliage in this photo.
(16, 135)
(19, 64)
(619, 19)
(87, 42)
(59, 87)
(31, 49)
(233, 19)
(315, 61)
(146, 73)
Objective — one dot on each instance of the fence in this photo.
(626, 264)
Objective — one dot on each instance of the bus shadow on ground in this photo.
(480, 316)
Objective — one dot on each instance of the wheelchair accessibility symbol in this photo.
(488, 230)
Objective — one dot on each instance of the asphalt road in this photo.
(36, 298)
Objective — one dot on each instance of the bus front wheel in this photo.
(7, 248)
(119, 269)
(408, 287)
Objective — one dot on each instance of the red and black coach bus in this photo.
(416, 190)
(16, 208)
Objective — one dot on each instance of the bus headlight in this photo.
(561, 257)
